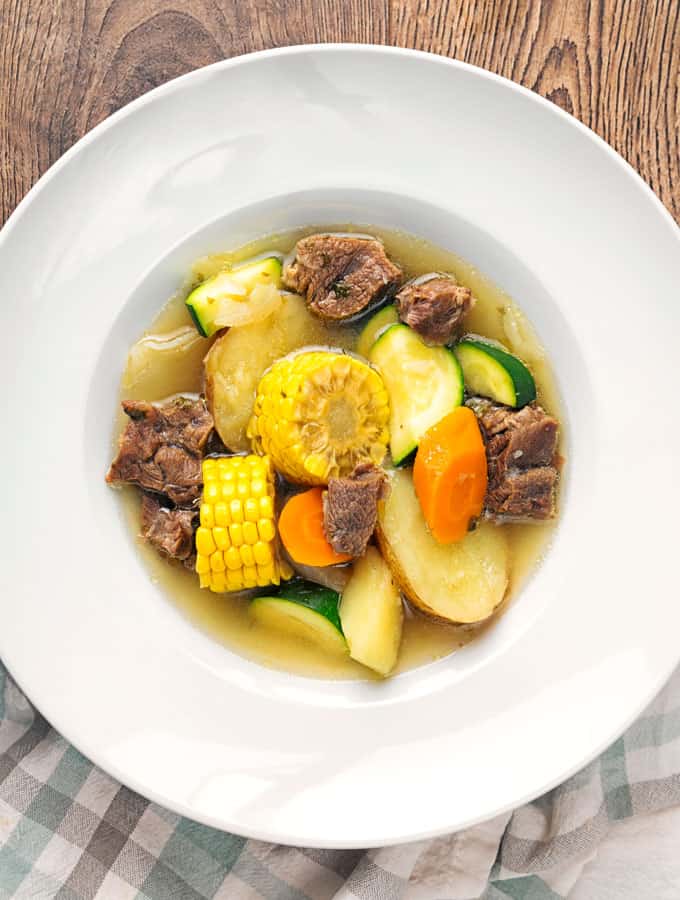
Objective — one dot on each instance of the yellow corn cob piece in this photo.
(236, 539)
(318, 414)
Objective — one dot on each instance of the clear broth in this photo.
(168, 360)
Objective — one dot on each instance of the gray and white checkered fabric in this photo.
(69, 831)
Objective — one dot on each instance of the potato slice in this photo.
(462, 582)
(263, 301)
(237, 359)
(371, 614)
(163, 363)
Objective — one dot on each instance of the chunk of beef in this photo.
(161, 448)
(520, 438)
(523, 494)
(340, 275)
(350, 508)
(521, 449)
(434, 308)
(170, 531)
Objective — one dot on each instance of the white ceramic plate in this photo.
(304, 135)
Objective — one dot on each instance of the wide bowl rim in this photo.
(300, 49)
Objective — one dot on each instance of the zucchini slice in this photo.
(375, 326)
(491, 371)
(203, 301)
(424, 384)
(304, 610)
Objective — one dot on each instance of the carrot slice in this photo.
(301, 530)
(449, 475)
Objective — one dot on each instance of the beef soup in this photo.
(340, 450)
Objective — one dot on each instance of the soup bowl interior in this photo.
(286, 213)
(111, 234)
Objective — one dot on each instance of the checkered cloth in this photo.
(68, 831)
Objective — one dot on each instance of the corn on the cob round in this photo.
(318, 414)
(236, 539)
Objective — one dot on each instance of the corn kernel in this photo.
(236, 511)
(249, 532)
(217, 561)
(243, 489)
(266, 507)
(204, 579)
(202, 564)
(209, 466)
(258, 487)
(262, 553)
(218, 582)
(221, 538)
(234, 580)
(266, 530)
(207, 515)
(232, 558)
(222, 517)
(228, 490)
(250, 510)
(236, 534)
(316, 465)
(247, 556)
(250, 576)
(211, 492)
(205, 545)
(264, 576)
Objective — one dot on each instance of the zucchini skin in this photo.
(196, 320)
(248, 274)
(444, 387)
(305, 610)
(376, 326)
(320, 599)
(519, 380)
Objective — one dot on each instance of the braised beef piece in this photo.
(434, 308)
(523, 438)
(523, 494)
(169, 531)
(340, 276)
(521, 450)
(350, 508)
(161, 448)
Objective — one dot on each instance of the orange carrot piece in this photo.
(449, 475)
(301, 530)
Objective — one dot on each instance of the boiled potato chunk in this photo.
(462, 582)
(163, 363)
(237, 359)
(371, 614)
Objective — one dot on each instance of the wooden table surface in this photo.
(67, 64)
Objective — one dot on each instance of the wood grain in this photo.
(67, 64)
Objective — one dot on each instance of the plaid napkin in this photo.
(68, 831)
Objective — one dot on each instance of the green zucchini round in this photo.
(304, 610)
(491, 371)
(375, 326)
(424, 385)
(202, 302)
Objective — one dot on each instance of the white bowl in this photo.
(319, 134)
